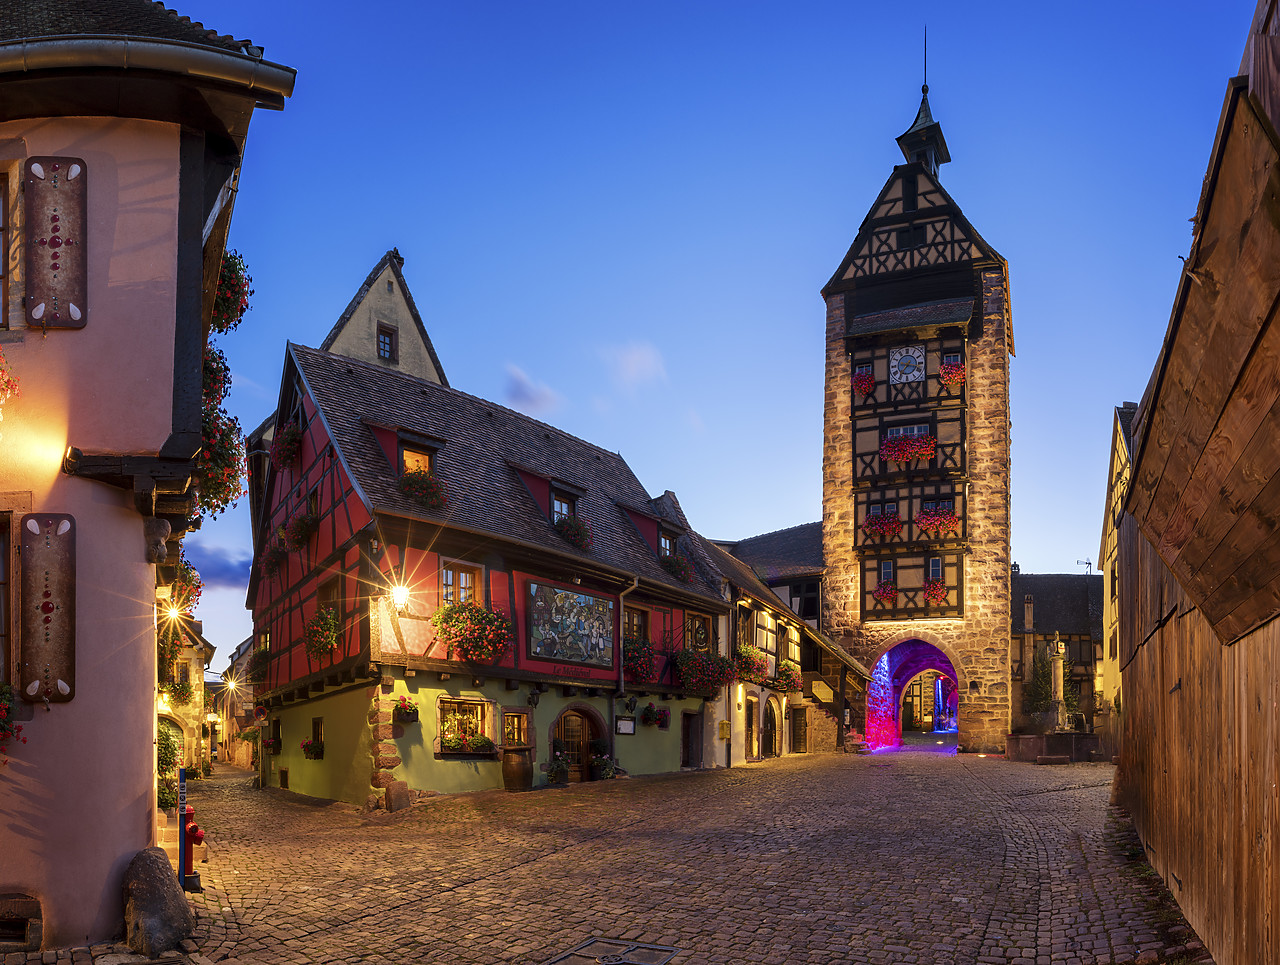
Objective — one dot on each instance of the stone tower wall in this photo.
(977, 644)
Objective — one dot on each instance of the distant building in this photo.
(1053, 607)
(1107, 685)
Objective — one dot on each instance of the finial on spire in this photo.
(923, 141)
(924, 88)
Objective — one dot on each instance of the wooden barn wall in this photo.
(1201, 759)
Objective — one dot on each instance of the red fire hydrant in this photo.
(191, 836)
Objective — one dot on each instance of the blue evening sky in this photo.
(617, 217)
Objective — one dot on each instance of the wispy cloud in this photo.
(220, 567)
(635, 364)
(530, 397)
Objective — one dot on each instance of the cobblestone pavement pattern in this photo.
(892, 858)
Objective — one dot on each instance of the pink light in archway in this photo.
(891, 674)
(883, 726)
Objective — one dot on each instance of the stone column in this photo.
(1057, 656)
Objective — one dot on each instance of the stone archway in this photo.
(895, 667)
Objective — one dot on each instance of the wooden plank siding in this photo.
(1201, 757)
(1206, 481)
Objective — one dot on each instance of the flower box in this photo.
(886, 592)
(575, 531)
(271, 745)
(425, 488)
(322, 633)
(951, 374)
(285, 445)
(473, 633)
(678, 566)
(231, 299)
(653, 716)
(637, 660)
(405, 711)
(472, 744)
(790, 680)
(751, 664)
(937, 521)
(882, 525)
(864, 383)
(295, 533)
(703, 673)
(935, 592)
(312, 750)
(904, 449)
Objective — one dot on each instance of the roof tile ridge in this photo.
(785, 529)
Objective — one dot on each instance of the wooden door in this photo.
(750, 749)
(575, 730)
(799, 730)
(690, 744)
(769, 731)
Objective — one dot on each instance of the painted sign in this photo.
(47, 666)
(57, 276)
(568, 625)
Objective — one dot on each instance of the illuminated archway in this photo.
(897, 666)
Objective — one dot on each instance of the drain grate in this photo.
(614, 951)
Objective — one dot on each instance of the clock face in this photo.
(906, 364)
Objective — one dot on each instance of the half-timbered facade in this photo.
(916, 453)
(340, 539)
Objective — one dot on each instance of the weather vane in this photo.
(1087, 564)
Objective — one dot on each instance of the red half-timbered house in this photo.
(389, 497)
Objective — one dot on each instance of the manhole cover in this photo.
(614, 951)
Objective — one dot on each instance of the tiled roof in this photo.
(949, 311)
(482, 441)
(1069, 603)
(139, 19)
(785, 553)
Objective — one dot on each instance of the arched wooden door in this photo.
(769, 731)
(576, 730)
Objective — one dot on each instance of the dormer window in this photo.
(562, 505)
(415, 459)
(666, 544)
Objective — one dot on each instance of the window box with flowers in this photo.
(789, 680)
(905, 449)
(703, 672)
(864, 383)
(935, 592)
(951, 374)
(271, 745)
(575, 531)
(882, 524)
(322, 633)
(405, 711)
(179, 693)
(637, 660)
(273, 557)
(653, 716)
(886, 592)
(10, 730)
(425, 488)
(295, 534)
(937, 521)
(285, 445)
(473, 633)
(751, 664)
(678, 566)
(312, 750)
(463, 726)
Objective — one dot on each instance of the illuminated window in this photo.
(789, 643)
(766, 632)
(458, 583)
(515, 729)
(388, 343)
(697, 632)
(562, 505)
(635, 623)
(415, 459)
(464, 726)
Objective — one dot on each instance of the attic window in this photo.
(666, 544)
(388, 343)
(411, 459)
(562, 505)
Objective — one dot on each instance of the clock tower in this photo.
(915, 505)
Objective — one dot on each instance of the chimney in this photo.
(1028, 613)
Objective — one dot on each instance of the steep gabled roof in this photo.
(136, 19)
(783, 554)
(1069, 603)
(482, 444)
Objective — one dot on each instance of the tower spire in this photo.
(923, 140)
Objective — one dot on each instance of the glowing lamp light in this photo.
(741, 693)
(174, 613)
(982, 755)
(400, 596)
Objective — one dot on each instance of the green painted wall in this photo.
(343, 774)
(652, 750)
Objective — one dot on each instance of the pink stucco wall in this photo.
(76, 801)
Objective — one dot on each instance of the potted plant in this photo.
(937, 521)
(886, 592)
(285, 445)
(789, 680)
(600, 765)
(864, 383)
(703, 672)
(558, 763)
(405, 711)
(951, 374)
(678, 566)
(231, 300)
(473, 633)
(882, 524)
(271, 745)
(653, 716)
(751, 664)
(295, 533)
(322, 633)
(935, 592)
(637, 659)
(904, 449)
(425, 488)
(312, 750)
(575, 530)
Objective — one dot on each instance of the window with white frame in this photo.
(935, 568)
(894, 432)
(886, 570)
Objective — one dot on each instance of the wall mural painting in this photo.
(570, 626)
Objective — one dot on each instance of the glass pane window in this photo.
(950, 358)
(515, 729)
(416, 459)
(461, 718)
(935, 568)
(635, 623)
(561, 506)
(666, 544)
(458, 583)
(862, 368)
(886, 569)
(766, 632)
(893, 432)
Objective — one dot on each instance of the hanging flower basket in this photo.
(652, 716)
(790, 680)
(935, 592)
(750, 664)
(285, 445)
(273, 557)
(886, 592)
(8, 390)
(220, 464)
(637, 660)
(703, 672)
(322, 632)
(864, 383)
(231, 300)
(904, 449)
(9, 730)
(256, 668)
(883, 524)
(937, 521)
(575, 531)
(295, 533)
(405, 711)
(184, 591)
(951, 374)
(473, 634)
(678, 566)
(424, 488)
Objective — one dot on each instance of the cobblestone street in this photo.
(903, 857)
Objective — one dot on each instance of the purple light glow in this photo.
(891, 674)
(883, 727)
